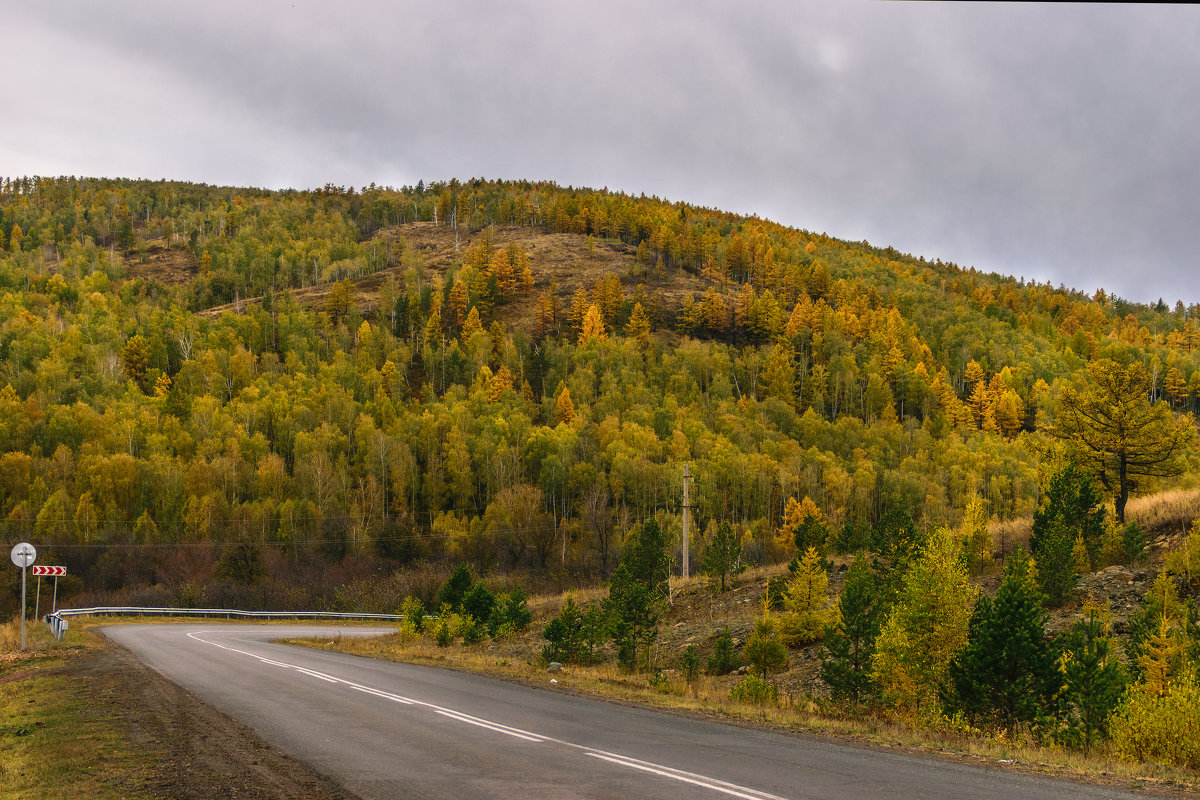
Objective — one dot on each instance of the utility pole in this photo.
(687, 516)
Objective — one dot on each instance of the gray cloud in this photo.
(1053, 142)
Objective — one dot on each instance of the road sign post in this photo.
(23, 555)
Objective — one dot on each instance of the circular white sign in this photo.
(23, 554)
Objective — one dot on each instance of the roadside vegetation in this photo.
(1031, 670)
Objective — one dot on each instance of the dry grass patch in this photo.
(55, 740)
(1168, 514)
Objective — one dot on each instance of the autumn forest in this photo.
(275, 398)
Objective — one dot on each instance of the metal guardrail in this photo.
(57, 621)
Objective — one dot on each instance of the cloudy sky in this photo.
(1056, 142)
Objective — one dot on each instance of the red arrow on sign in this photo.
(56, 572)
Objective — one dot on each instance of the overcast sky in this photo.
(1056, 142)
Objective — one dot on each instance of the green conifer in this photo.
(723, 558)
(850, 641)
(1006, 674)
(1093, 682)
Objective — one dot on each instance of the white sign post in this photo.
(23, 555)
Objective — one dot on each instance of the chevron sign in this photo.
(56, 572)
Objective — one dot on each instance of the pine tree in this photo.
(1093, 681)
(976, 539)
(723, 558)
(803, 526)
(723, 660)
(763, 649)
(471, 325)
(897, 545)
(459, 301)
(456, 587)
(639, 326)
(849, 644)
(135, 357)
(1117, 433)
(387, 377)
(1072, 498)
(779, 375)
(564, 634)
(1163, 611)
(1006, 675)
(1055, 558)
(637, 593)
(578, 309)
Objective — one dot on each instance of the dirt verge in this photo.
(196, 752)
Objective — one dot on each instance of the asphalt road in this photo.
(402, 732)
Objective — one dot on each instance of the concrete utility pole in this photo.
(687, 516)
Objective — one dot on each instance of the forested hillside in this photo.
(205, 386)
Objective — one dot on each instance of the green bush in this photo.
(689, 663)
(479, 603)
(414, 614)
(723, 660)
(474, 632)
(1133, 542)
(1149, 726)
(663, 685)
(756, 691)
(511, 614)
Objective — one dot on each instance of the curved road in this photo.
(388, 731)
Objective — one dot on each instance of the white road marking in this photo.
(731, 789)
(491, 726)
(686, 777)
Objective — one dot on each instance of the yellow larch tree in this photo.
(472, 325)
(593, 326)
(639, 326)
(566, 409)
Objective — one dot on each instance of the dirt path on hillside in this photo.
(194, 751)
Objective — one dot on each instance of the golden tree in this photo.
(506, 276)
(639, 326)
(501, 382)
(472, 325)
(926, 627)
(387, 374)
(566, 409)
(578, 310)
(593, 326)
(806, 601)
(458, 303)
(796, 514)
(779, 374)
(1117, 434)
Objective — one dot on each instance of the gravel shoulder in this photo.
(197, 752)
